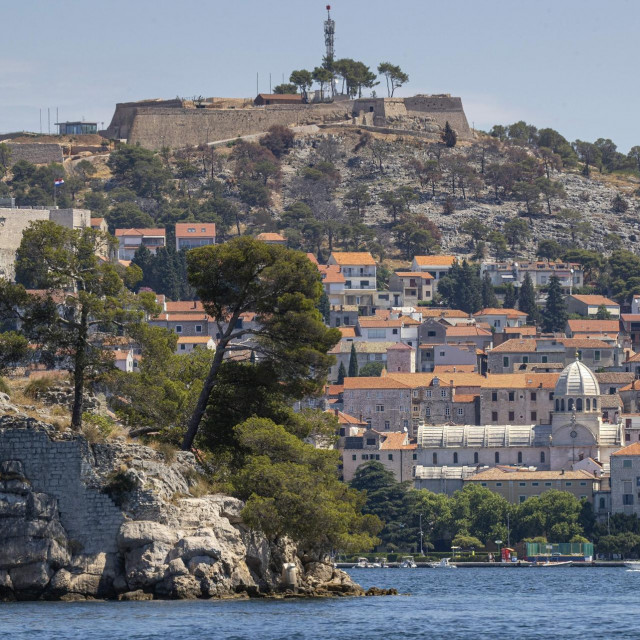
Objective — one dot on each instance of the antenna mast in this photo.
(329, 33)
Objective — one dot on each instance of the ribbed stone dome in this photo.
(577, 380)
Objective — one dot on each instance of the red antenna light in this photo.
(328, 7)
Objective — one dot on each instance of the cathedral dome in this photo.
(577, 380)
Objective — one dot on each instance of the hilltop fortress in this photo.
(179, 123)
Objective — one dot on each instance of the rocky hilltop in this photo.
(120, 520)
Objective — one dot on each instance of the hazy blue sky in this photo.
(568, 64)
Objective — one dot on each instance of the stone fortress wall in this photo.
(13, 222)
(35, 152)
(178, 123)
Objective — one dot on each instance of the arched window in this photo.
(497, 457)
(557, 404)
(455, 457)
(602, 503)
(595, 404)
(542, 457)
(435, 458)
(475, 458)
(562, 404)
(588, 404)
(570, 404)
(579, 404)
(519, 457)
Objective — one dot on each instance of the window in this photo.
(525, 359)
(376, 333)
(178, 328)
(394, 332)
(544, 359)
(497, 457)
(428, 393)
(579, 404)
(442, 354)
(627, 436)
(626, 486)
(505, 362)
(431, 334)
(583, 484)
(198, 328)
(475, 457)
(414, 393)
(494, 416)
(512, 416)
(519, 457)
(354, 457)
(638, 481)
(522, 484)
(379, 408)
(483, 484)
(596, 356)
(371, 442)
(534, 396)
(387, 425)
(365, 456)
(427, 411)
(534, 416)
(542, 457)
(627, 499)
(512, 396)
(434, 458)
(443, 393)
(415, 456)
(601, 503)
(494, 396)
(498, 484)
(447, 411)
(568, 484)
(523, 498)
(460, 411)
(535, 484)
(390, 456)
(455, 457)
(416, 408)
(547, 484)
(627, 464)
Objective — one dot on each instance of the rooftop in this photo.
(595, 299)
(353, 258)
(141, 232)
(631, 450)
(195, 229)
(438, 261)
(499, 473)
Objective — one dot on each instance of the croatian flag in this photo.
(58, 182)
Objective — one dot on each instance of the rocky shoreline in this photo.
(119, 521)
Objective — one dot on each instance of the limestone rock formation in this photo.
(117, 520)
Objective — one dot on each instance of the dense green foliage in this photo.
(462, 287)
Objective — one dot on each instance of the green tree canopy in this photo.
(394, 76)
(554, 316)
(527, 301)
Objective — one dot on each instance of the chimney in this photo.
(195, 304)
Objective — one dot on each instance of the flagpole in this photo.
(55, 190)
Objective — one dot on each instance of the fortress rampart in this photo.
(179, 123)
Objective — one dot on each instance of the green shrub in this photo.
(4, 387)
(35, 387)
(119, 486)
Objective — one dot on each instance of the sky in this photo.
(567, 64)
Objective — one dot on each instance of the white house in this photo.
(130, 240)
(437, 266)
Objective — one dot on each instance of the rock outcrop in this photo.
(118, 520)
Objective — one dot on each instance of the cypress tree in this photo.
(510, 296)
(342, 372)
(449, 136)
(324, 307)
(527, 301)
(469, 288)
(554, 317)
(353, 362)
(489, 298)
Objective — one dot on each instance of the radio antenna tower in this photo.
(329, 33)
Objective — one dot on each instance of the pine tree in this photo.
(469, 288)
(353, 362)
(554, 317)
(449, 136)
(324, 307)
(342, 373)
(527, 301)
(510, 296)
(489, 298)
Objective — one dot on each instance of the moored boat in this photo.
(633, 564)
(408, 563)
(443, 564)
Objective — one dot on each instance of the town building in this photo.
(409, 288)
(343, 315)
(333, 282)
(359, 271)
(187, 344)
(570, 274)
(392, 449)
(130, 240)
(77, 128)
(501, 319)
(266, 99)
(625, 480)
(366, 352)
(190, 235)
(630, 323)
(516, 484)
(588, 305)
(436, 266)
(272, 238)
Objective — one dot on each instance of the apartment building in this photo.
(359, 271)
(570, 274)
(190, 235)
(130, 240)
(437, 266)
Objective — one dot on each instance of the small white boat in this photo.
(633, 564)
(362, 563)
(408, 563)
(557, 564)
(443, 564)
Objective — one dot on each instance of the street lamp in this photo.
(498, 543)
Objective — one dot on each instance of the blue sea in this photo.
(560, 602)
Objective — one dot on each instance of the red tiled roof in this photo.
(200, 229)
(596, 299)
(140, 232)
(353, 258)
(631, 450)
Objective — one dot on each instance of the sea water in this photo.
(560, 602)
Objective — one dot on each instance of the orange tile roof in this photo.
(183, 317)
(200, 229)
(371, 322)
(97, 222)
(271, 237)
(415, 274)
(184, 306)
(312, 257)
(495, 311)
(194, 339)
(631, 450)
(596, 299)
(119, 354)
(464, 397)
(440, 261)
(437, 312)
(353, 258)
(334, 389)
(634, 386)
(383, 382)
(525, 380)
(331, 274)
(140, 232)
(383, 313)
(594, 326)
(345, 418)
(517, 345)
(400, 346)
(347, 332)
(469, 330)
(498, 473)
(585, 343)
(395, 440)
(523, 331)
(459, 368)
(426, 379)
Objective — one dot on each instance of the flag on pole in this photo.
(58, 182)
